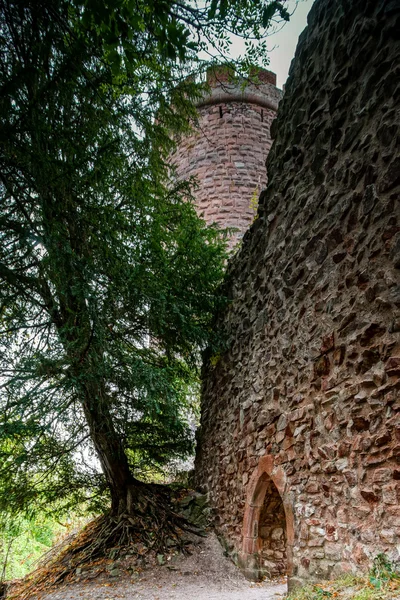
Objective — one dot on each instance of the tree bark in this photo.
(108, 447)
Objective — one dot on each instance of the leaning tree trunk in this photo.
(108, 445)
(129, 496)
(142, 515)
(144, 520)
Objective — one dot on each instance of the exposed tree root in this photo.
(153, 526)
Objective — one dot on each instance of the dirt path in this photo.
(205, 575)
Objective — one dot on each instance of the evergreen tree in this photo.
(108, 278)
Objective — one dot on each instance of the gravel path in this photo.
(205, 575)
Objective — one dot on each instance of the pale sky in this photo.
(286, 41)
(283, 43)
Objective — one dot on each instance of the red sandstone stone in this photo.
(313, 264)
(369, 495)
(328, 343)
(228, 148)
(392, 366)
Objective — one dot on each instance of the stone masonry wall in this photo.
(308, 392)
(272, 533)
(228, 148)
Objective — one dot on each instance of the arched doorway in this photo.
(272, 532)
(268, 524)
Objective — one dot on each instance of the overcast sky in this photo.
(286, 41)
(283, 43)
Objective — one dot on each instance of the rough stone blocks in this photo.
(305, 401)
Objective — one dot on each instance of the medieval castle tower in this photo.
(228, 147)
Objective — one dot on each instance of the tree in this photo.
(108, 278)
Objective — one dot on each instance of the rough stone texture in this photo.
(228, 148)
(272, 534)
(308, 392)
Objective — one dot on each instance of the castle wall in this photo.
(228, 148)
(307, 394)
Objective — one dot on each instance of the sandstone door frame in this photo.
(256, 489)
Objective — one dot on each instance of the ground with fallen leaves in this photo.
(206, 574)
(351, 587)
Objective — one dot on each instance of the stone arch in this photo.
(266, 476)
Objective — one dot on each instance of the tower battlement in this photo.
(261, 90)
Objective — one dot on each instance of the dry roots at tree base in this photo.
(151, 528)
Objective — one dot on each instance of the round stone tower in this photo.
(228, 148)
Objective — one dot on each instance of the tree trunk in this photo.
(108, 446)
(76, 329)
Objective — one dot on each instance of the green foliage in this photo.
(383, 571)
(311, 592)
(254, 203)
(109, 280)
(24, 540)
(214, 359)
(381, 583)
